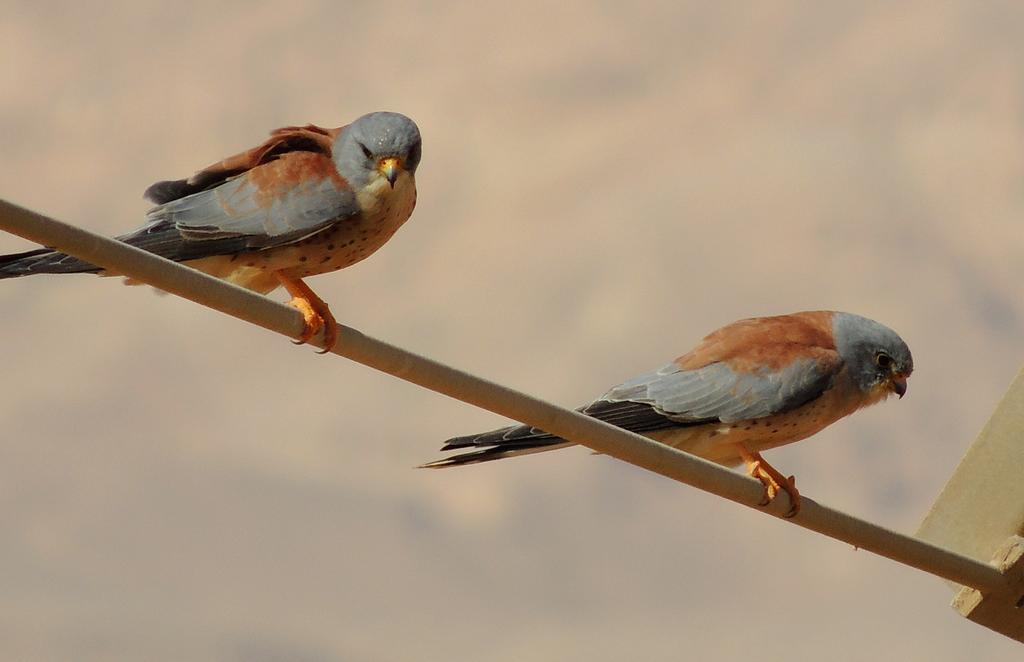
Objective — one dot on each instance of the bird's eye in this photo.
(883, 360)
(366, 151)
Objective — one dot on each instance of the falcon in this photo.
(307, 201)
(750, 386)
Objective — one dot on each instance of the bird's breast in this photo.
(385, 206)
(717, 442)
(383, 211)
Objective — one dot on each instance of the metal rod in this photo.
(177, 279)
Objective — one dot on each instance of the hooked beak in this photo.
(390, 167)
(899, 385)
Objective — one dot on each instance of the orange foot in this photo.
(315, 312)
(773, 481)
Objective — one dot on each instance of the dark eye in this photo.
(366, 151)
(883, 360)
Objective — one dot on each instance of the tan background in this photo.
(600, 187)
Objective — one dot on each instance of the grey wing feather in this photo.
(667, 398)
(230, 218)
(716, 392)
(233, 209)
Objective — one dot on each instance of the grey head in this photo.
(874, 354)
(382, 142)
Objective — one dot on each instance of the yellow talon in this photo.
(315, 313)
(773, 481)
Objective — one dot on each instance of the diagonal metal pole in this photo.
(597, 435)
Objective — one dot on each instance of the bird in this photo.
(750, 386)
(306, 201)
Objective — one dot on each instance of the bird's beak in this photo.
(390, 168)
(899, 385)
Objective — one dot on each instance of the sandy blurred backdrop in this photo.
(600, 187)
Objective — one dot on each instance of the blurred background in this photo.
(600, 187)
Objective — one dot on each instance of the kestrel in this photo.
(307, 201)
(750, 386)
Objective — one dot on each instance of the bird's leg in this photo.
(771, 478)
(314, 311)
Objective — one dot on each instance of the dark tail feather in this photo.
(513, 435)
(496, 453)
(42, 261)
(641, 417)
(498, 444)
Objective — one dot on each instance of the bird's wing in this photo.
(309, 138)
(279, 193)
(673, 397)
(749, 369)
(717, 393)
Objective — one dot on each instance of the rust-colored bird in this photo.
(750, 386)
(307, 201)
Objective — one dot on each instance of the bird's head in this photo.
(878, 360)
(379, 145)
